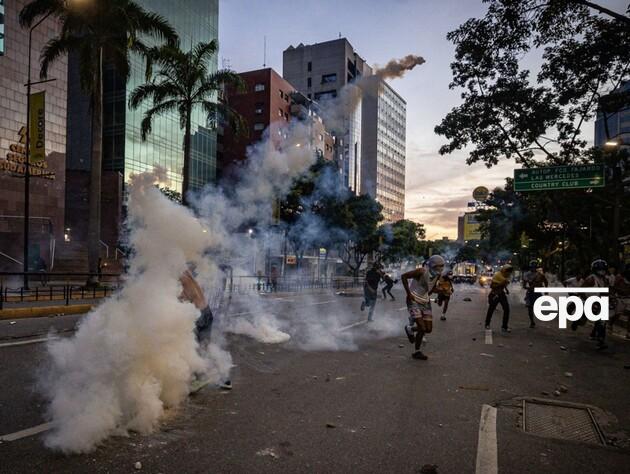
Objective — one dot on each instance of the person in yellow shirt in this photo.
(498, 296)
(444, 289)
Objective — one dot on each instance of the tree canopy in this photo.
(507, 111)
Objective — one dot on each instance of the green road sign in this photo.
(559, 177)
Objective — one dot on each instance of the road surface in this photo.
(365, 406)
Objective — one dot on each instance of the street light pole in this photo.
(27, 154)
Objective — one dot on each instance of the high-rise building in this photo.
(47, 184)
(618, 124)
(124, 150)
(268, 104)
(320, 71)
(384, 147)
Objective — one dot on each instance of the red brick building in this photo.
(268, 104)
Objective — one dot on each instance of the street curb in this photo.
(43, 311)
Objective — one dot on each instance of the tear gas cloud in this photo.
(135, 355)
(398, 67)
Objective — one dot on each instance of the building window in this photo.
(329, 78)
(321, 137)
(286, 117)
(280, 113)
(281, 94)
(309, 66)
(259, 87)
(326, 95)
(309, 96)
(259, 108)
(309, 82)
(259, 127)
(1, 27)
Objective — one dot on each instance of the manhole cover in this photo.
(554, 420)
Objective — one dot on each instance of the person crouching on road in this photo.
(191, 291)
(444, 289)
(370, 289)
(419, 284)
(389, 284)
(498, 295)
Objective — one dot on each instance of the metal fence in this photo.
(66, 287)
(52, 286)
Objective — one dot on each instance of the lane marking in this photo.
(321, 302)
(27, 432)
(488, 336)
(359, 323)
(487, 453)
(24, 343)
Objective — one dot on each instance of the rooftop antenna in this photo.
(265, 52)
(340, 34)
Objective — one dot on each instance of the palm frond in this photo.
(223, 113)
(39, 8)
(159, 109)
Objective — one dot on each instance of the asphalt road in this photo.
(364, 407)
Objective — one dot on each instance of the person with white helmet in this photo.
(419, 284)
(498, 296)
(533, 278)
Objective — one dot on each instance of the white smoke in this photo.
(136, 354)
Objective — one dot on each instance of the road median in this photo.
(43, 311)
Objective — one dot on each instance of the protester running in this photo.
(419, 284)
(389, 284)
(498, 295)
(370, 289)
(444, 289)
(533, 278)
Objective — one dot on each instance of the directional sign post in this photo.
(552, 178)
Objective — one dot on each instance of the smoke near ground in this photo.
(135, 355)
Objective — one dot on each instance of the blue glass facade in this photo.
(1, 27)
(618, 125)
(123, 148)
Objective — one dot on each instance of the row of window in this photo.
(1, 27)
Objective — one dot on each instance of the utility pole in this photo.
(27, 164)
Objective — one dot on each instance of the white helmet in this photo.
(435, 264)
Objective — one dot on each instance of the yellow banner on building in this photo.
(472, 230)
(37, 128)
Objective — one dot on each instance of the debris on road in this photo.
(268, 452)
(486, 355)
(331, 425)
(546, 394)
(12, 322)
(137, 466)
(401, 346)
(340, 378)
(563, 389)
(568, 374)
(467, 299)
(556, 393)
(474, 387)
(428, 469)
(474, 338)
(563, 348)
(530, 344)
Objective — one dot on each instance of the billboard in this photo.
(471, 227)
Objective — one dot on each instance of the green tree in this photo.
(507, 113)
(96, 31)
(181, 84)
(401, 240)
(362, 237)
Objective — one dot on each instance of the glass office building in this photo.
(123, 148)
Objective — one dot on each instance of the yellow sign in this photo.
(471, 227)
(15, 161)
(37, 129)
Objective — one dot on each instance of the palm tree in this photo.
(182, 84)
(97, 31)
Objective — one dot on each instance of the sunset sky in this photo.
(438, 188)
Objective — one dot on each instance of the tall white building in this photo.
(320, 71)
(384, 147)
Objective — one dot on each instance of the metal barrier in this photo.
(66, 287)
(54, 286)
